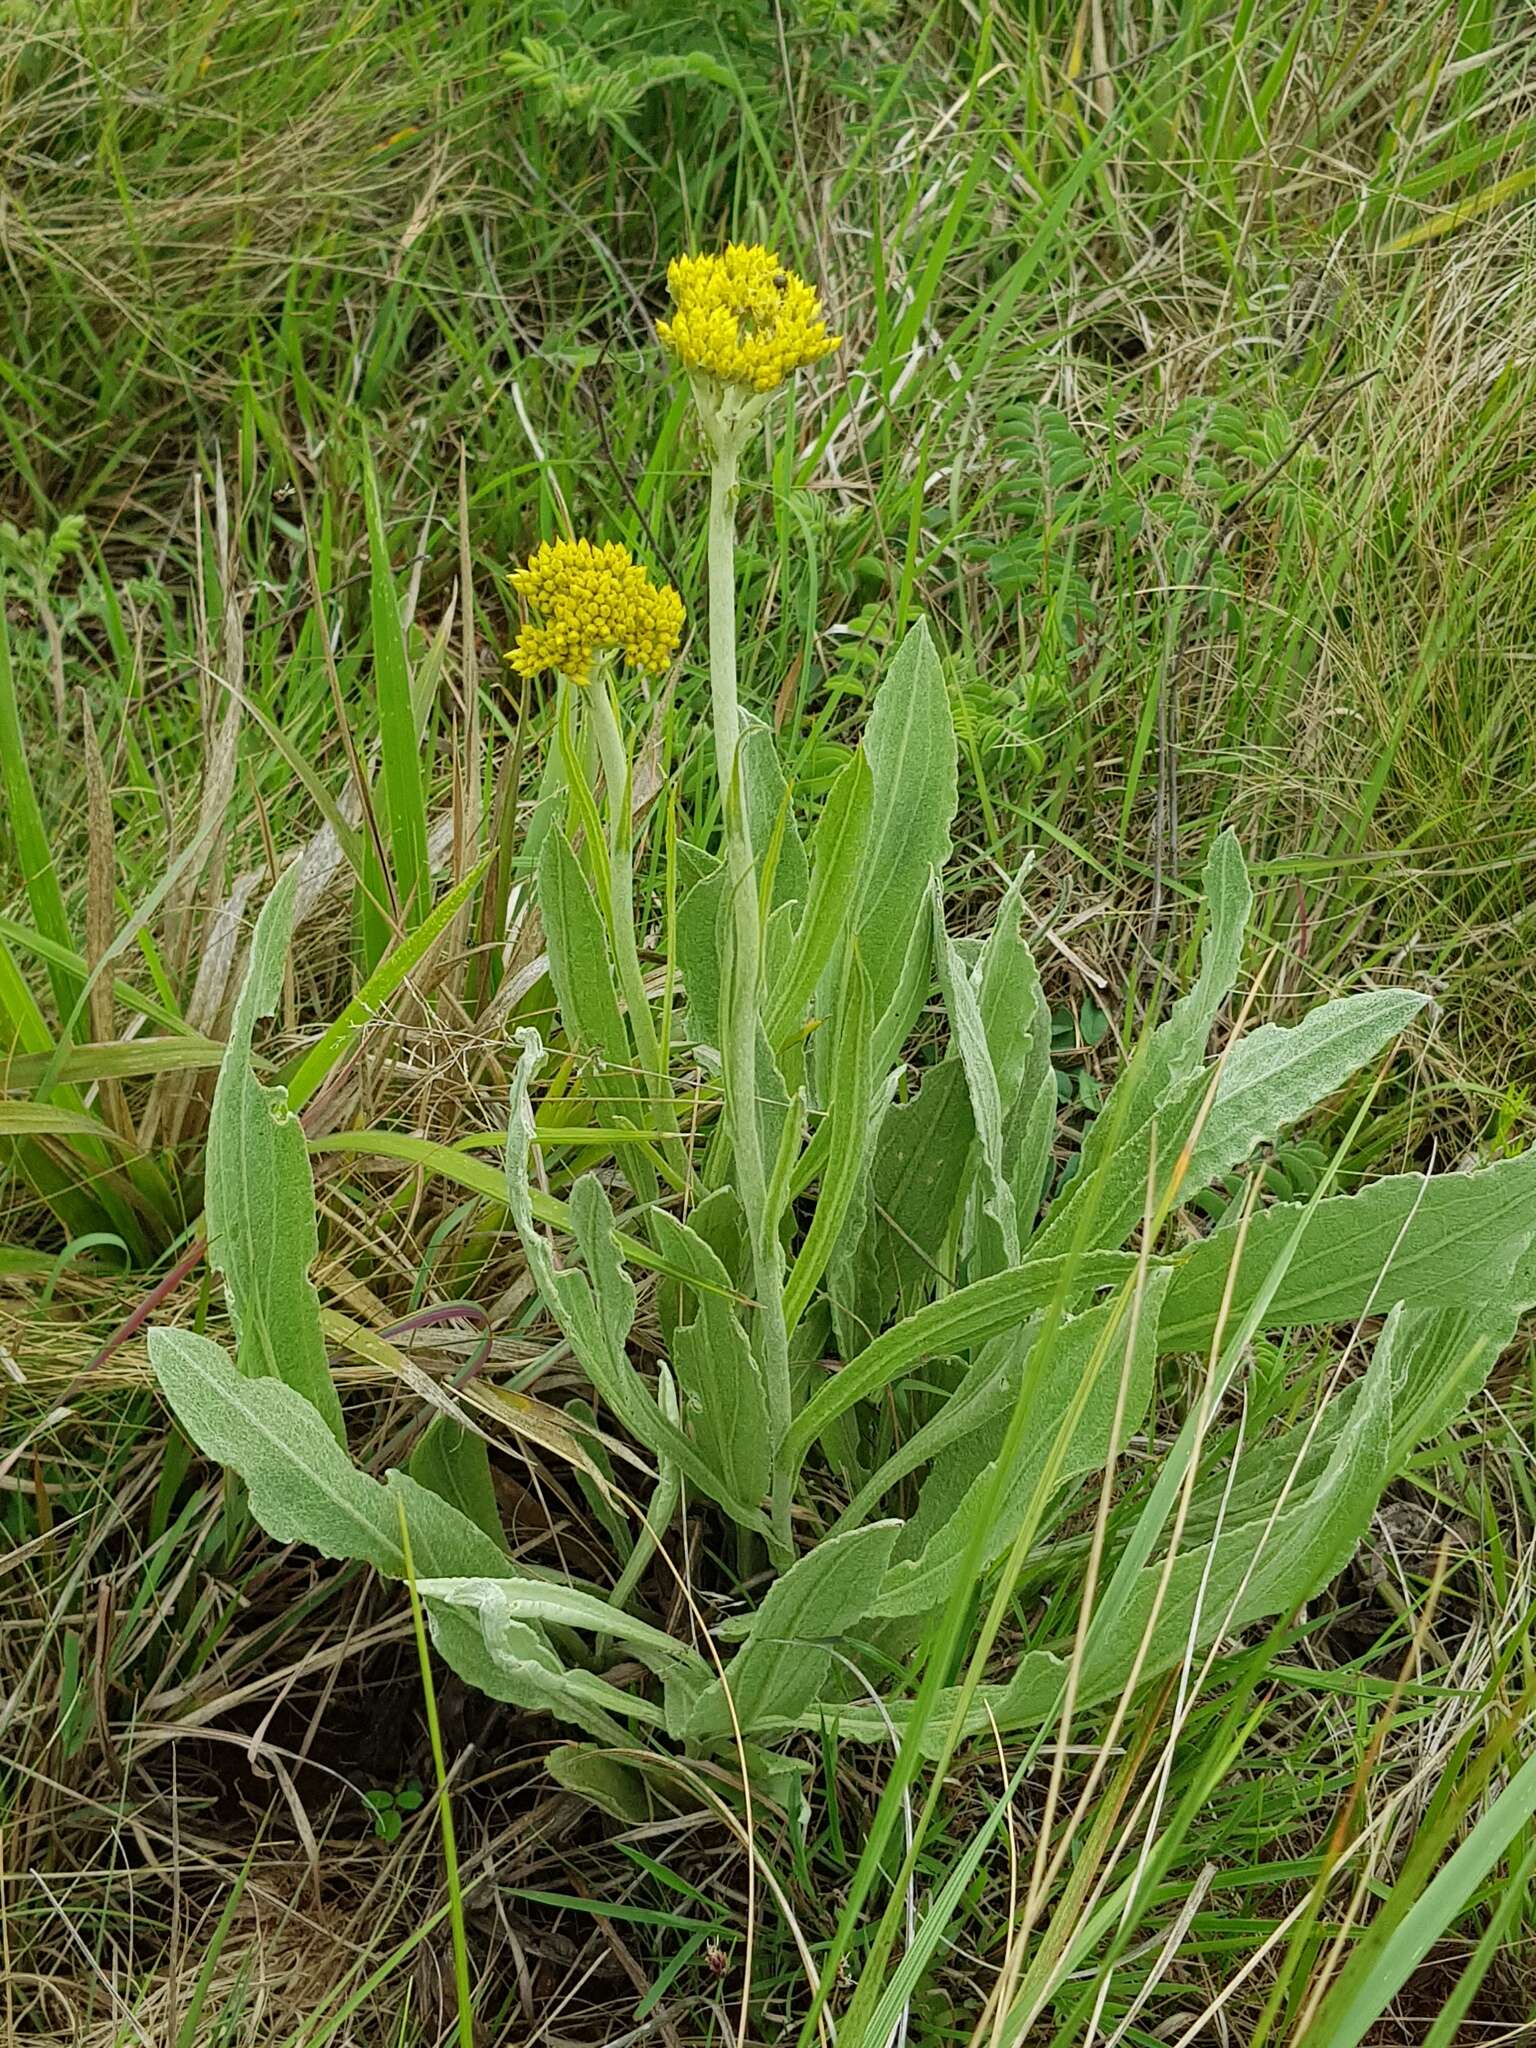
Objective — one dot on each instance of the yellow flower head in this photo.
(586, 599)
(742, 319)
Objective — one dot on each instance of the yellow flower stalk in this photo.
(743, 319)
(588, 600)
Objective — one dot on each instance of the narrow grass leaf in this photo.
(34, 854)
(1374, 1977)
(338, 1039)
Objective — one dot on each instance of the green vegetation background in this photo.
(1187, 389)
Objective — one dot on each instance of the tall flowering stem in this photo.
(740, 1006)
(603, 719)
(741, 326)
(724, 699)
(587, 607)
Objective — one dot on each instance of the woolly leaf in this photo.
(782, 1665)
(260, 1194)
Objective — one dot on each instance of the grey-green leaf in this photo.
(608, 1782)
(722, 1383)
(1277, 1553)
(260, 1193)
(916, 1176)
(1272, 1077)
(848, 1143)
(1453, 1240)
(783, 1663)
(577, 943)
(453, 1463)
(1095, 1363)
(698, 953)
(969, 1036)
(1445, 1356)
(303, 1487)
(910, 743)
(595, 1309)
(770, 813)
(837, 847)
(507, 1659)
(546, 1603)
(1016, 1019)
(1229, 904)
(971, 1314)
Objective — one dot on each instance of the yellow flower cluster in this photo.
(743, 319)
(586, 599)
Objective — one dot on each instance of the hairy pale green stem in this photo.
(577, 749)
(740, 991)
(603, 720)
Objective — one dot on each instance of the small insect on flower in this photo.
(586, 600)
(744, 319)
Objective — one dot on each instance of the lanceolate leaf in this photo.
(698, 951)
(1267, 1081)
(1286, 1547)
(1271, 1077)
(911, 748)
(837, 847)
(260, 1193)
(907, 998)
(782, 1665)
(303, 1487)
(1279, 1553)
(968, 1316)
(1071, 1409)
(546, 1603)
(848, 1143)
(595, 1313)
(577, 943)
(1452, 1240)
(771, 814)
(1017, 1022)
(1445, 1355)
(1228, 903)
(510, 1660)
(722, 1383)
(916, 1177)
(970, 1037)
(610, 1783)
(453, 1463)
